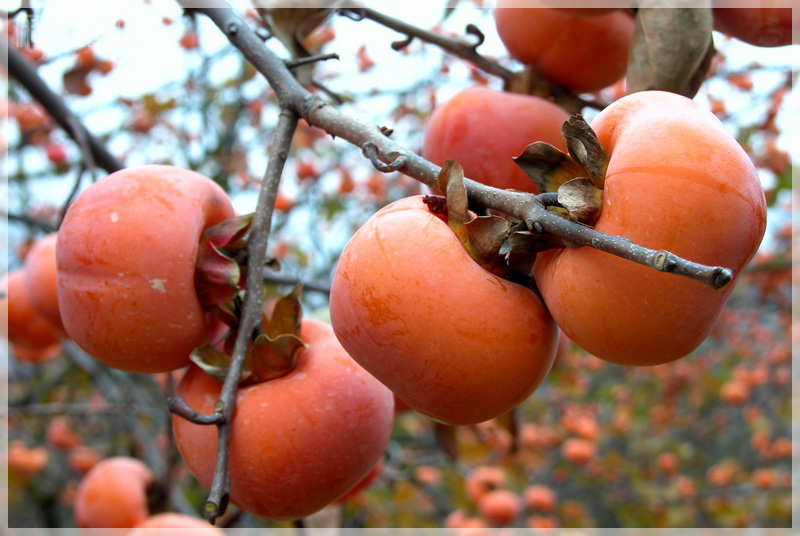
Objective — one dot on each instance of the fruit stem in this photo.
(178, 406)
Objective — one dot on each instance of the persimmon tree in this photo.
(659, 159)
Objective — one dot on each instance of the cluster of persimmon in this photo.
(145, 275)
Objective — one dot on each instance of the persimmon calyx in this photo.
(577, 177)
(500, 246)
(271, 354)
(482, 237)
(219, 274)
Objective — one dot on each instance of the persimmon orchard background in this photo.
(705, 441)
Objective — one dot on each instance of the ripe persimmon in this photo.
(579, 53)
(362, 484)
(766, 23)
(297, 442)
(26, 461)
(452, 340)
(499, 506)
(41, 279)
(539, 497)
(126, 257)
(676, 181)
(172, 523)
(26, 327)
(483, 130)
(113, 494)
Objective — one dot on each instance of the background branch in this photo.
(24, 72)
(456, 47)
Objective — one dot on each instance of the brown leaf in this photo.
(671, 47)
(585, 149)
(451, 183)
(291, 25)
(485, 236)
(548, 166)
(582, 199)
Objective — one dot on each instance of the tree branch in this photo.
(456, 47)
(24, 72)
(251, 311)
(519, 205)
(28, 220)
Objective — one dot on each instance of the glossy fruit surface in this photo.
(113, 494)
(578, 53)
(767, 23)
(126, 257)
(26, 327)
(452, 340)
(483, 130)
(676, 181)
(41, 279)
(298, 442)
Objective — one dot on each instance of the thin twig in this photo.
(24, 72)
(312, 59)
(72, 193)
(251, 311)
(456, 47)
(308, 286)
(179, 407)
(48, 410)
(28, 220)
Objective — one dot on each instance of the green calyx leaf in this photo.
(212, 361)
(269, 358)
(273, 353)
(287, 315)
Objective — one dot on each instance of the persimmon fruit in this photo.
(41, 277)
(297, 442)
(539, 497)
(676, 181)
(766, 23)
(27, 329)
(26, 461)
(113, 494)
(126, 257)
(576, 52)
(364, 483)
(483, 130)
(174, 524)
(449, 338)
(499, 506)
